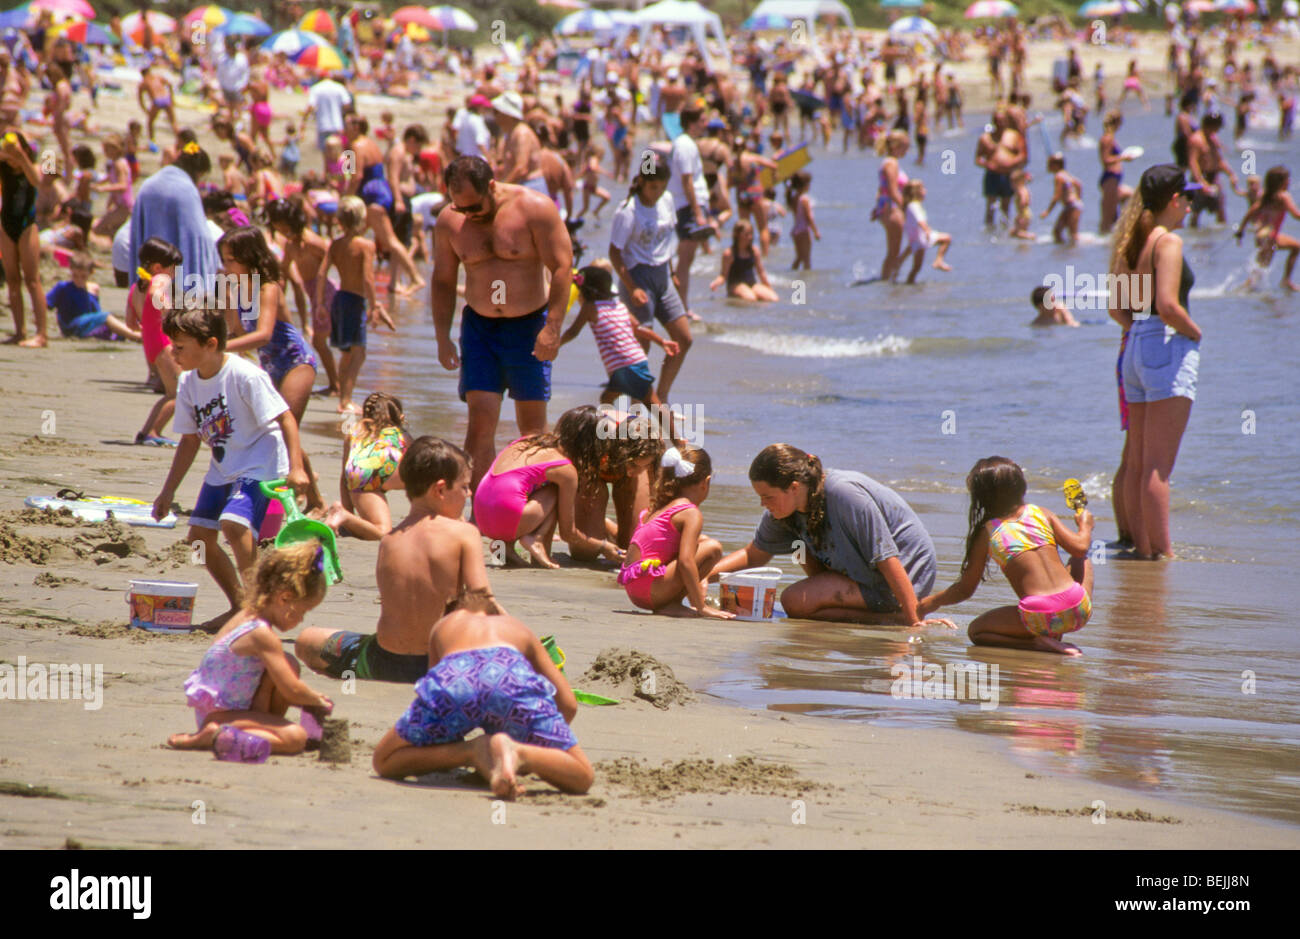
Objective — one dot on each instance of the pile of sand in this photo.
(623, 673)
(99, 543)
(116, 629)
(673, 779)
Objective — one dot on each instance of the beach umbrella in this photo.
(291, 42)
(318, 21)
(417, 15)
(902, 3)
(913, 26)
(563, 4)
(87, 33)
(78, 8)
(16, 18)
(990, 10)
(243, 24)
(763, 21)
(450, 18)
(210, 16)
(584, 21)
(322, 58)
(160, 23)
(1107, 8)
(414, 31)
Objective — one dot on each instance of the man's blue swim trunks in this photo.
(495, 689)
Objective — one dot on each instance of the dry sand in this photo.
(693, 772)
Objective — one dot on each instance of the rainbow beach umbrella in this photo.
(292, 42)
(322, 58)
(318, 21)
(87, 33)
(450, 18)
(1095, 8)
(210, 16)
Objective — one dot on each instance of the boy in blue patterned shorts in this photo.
(488, 672)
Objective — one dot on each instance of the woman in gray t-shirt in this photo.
(867, 555)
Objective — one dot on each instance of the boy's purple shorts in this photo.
(241, 502)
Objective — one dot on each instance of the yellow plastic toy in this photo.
(1075, 497)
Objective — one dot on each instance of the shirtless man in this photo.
(508, 238)
(1204, 164)
(159, 93)
(999, 152)
(423, 564)
(558, 174)
(672, 94)
(521, 151)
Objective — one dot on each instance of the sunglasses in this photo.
(474, 209)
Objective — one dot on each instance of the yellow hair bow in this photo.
(143, 274)
(190, 148)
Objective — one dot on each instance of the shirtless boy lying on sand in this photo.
(423, 564)
(480, 661)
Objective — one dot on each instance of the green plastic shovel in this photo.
(297, 527)
(557, 656)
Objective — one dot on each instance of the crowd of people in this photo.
(213, 254)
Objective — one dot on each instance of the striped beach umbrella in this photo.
(210, 16)
(87, 33)
(292, 41)
(318, 21)
(991, 10)
(451, 18)
(160, 23)
(322, 58)
(913, 26)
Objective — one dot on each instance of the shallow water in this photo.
(871, 377)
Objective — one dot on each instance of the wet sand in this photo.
(776, 779)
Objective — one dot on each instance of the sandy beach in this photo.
(698, 774)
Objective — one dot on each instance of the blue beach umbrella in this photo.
(16, 18)
(913, 26)
(241, 24)
(291, 42)
(585, 21)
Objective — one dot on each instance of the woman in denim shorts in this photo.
(1163, 355)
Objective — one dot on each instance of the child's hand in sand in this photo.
(710, 613)
(612, 551)
(162, 506)
(933, 621)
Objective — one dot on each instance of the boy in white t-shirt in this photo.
(231, 405)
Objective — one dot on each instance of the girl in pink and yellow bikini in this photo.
(1023, 540)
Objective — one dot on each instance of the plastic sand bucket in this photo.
(751, 593)
(161, 606)
(272, 521)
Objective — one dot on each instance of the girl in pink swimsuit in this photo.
(531, 488)
(668, 558)
(146, 304)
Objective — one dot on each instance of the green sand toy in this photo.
(557, 656)
(297, 527)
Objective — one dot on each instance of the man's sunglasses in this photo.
(474, 209)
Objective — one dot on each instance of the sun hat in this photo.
(509, 103)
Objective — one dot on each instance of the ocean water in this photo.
(1190, 682)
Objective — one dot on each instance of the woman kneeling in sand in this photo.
(866, 554)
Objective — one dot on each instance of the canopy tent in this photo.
(806, 10)
(686, 13)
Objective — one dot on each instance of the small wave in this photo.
(815, 347)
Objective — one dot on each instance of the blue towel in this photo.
(168, 206)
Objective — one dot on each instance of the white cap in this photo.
(509, 103)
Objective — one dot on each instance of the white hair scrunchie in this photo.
(672, 459)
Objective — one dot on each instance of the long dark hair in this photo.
(997, 487)
(249, 248)
(1275, 181)
(575, 436)
(781, 465)
(647, 170)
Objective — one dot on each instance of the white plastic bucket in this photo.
(751, 593)
(161, 606)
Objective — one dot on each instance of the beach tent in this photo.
(806, 10)
(701, 22)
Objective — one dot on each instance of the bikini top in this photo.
(1029, 530)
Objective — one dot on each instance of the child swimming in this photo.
(1053, 601)
(371, 454)
(490, 672)
(532, 487)
(246, 681)
(667, 558)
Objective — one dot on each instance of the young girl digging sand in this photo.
(667, 559)
(531, 488)
(1023, 540)
(371, 454)
(488, 672)
(246, 681)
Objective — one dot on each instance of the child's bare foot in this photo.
(1048, 644)
(1290, 285)
(504, 764)
(200, 741)
(537, 551)
(942, 266)
(35, 342)
(410, 288)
